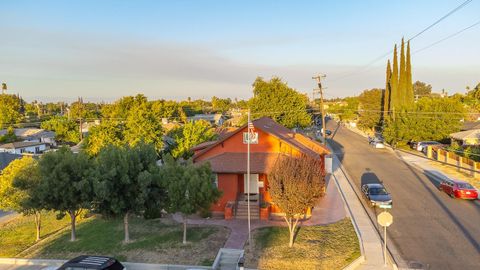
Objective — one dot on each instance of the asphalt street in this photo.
(430, 230)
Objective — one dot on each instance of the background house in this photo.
(33, 135)
(214, 119)
(6, 158)
(228, 160)
(468, 137)
(24, 147)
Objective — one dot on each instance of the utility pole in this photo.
(318, 78)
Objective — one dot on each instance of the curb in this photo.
(353, 265)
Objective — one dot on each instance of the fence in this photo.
(463, 164)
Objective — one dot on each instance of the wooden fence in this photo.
(463, 164)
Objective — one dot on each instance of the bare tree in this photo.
(296, 183)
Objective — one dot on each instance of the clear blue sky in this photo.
(102, 50)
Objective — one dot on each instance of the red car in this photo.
(459, 189)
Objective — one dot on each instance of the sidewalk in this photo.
(330, 209)
(429, 167)
(370, 243)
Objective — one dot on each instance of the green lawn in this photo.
(152, 241)
(19, 233)
(316, 247)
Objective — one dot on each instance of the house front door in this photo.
(253, 184)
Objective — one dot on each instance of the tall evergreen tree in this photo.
(387, 95)
(394, 95)
(402, 79)
(409, 97)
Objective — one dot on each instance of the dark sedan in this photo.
(376, 194)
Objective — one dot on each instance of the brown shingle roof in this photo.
(236, 162)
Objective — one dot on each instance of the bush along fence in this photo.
(463, 164)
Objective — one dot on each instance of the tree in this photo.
(422, 89)
(409, 98)
(9, 110)
(109, 132)
(275, 99)
(9, 136)
(125, 179)
(65, 184)
(221, 105)
(190, 135)
(402, 78)
(142, 125)
(394, 93)
(65, 130)
(295, 184)
(16, 183)
(190, 188)
(431, 119)
(369, 109)
(388, 90)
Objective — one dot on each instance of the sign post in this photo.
(385, 219)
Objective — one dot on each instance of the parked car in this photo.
(376, 194)
(458, 189)
(86, 262)
(422, 146)
(328, 132)
(376, 143)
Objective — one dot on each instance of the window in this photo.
(37, 150)
(215, 181)
(254, 139)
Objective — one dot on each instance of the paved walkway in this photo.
(371, 244)
(330, 209)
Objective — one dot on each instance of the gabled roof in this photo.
(267, 125)
(16, 145)
(6, 158)
(30, 133)
(468, 134)
(470, 125)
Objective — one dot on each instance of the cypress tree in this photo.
(408, 70)
(402, 80)
(394, 97)
(386, 97)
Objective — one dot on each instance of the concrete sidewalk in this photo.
(370, 243)
(328, 210)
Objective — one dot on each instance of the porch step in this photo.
(242, 210)
(227, 259)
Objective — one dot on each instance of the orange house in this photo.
(228, 160)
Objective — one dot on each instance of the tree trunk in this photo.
(38, 224)
(125, 227)
(73, 218)
(292, 227)
(184, 229)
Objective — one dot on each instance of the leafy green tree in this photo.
(142, 125)
(388, 90)
(9, 136)
(422, 89)
(369, 109)
(21, 181)
(190, 188)
(295, 184)
(190, 135)
(84, 110)
(109, 132)
(409, 98)
(431, 119)
(65, 184)
(9, 110)
(65, 130)
(402, 77)
(395, 96)
(275, 99)
(221, 105)
(121, 108)
(125, 181)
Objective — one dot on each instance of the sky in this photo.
(103, 50)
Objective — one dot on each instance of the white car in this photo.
(422, 145)
(378, 144)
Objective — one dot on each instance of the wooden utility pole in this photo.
(322, 110)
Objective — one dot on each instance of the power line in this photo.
(365, 67)
(448, 37)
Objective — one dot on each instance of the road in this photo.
(430, 229)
